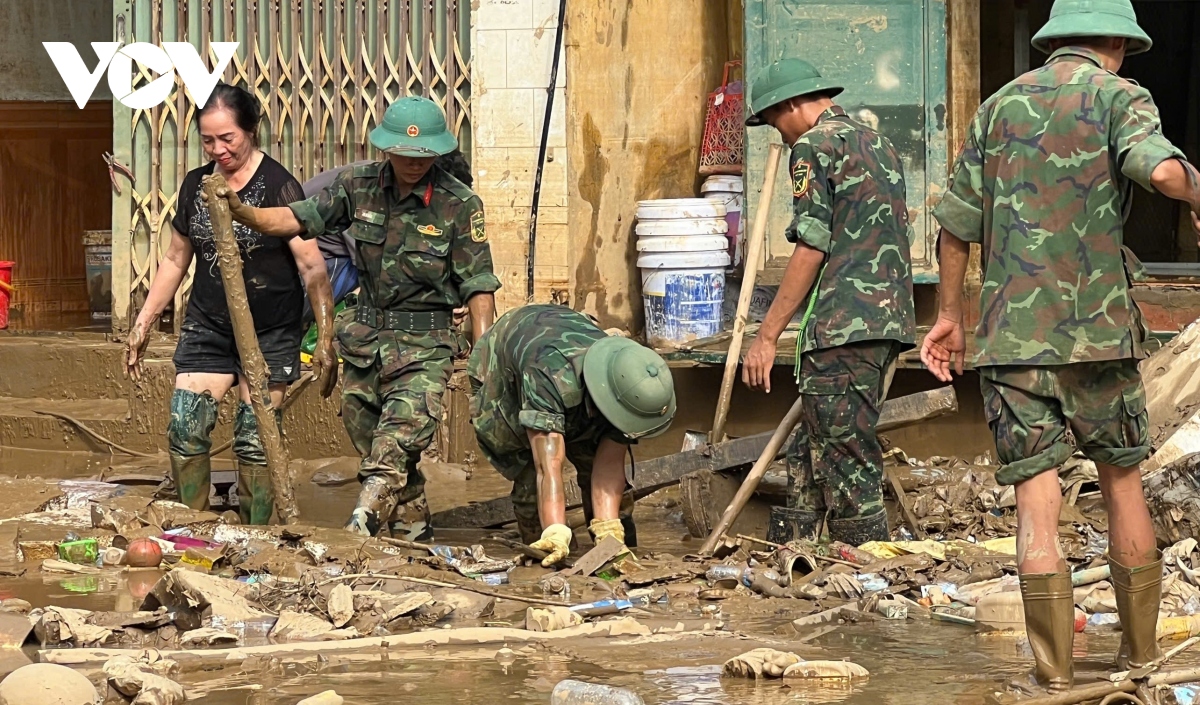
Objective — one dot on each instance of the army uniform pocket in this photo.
(827, 406)
(426, 257)
(1134, 422)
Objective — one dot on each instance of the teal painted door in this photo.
(891, 57)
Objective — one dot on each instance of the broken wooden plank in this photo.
(652, 475)
(594, 559)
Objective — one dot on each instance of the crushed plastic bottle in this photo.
(872, 582)
(601, 607)
(1102, 621)
(572, 692)
(719, 573)
(1187, 694)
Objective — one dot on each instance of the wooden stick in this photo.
(229, 259)
(902, 500)
(439, 583)
(738, 503)
(750, 274)
(293, 395)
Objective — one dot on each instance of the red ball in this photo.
(143, 553)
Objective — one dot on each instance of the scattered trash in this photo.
(826, 670)
(82, 551)
(145, 679)
(549, 619)
(760, 663)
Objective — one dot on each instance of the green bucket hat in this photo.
(414, 127)
(631, 385)
(1093, 18)
(786, 78)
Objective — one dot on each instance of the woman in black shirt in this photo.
(206, 357)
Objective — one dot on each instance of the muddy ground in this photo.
(912, 661)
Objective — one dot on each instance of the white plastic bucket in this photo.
(671, 208)
(727, 190)
(682, 226)
(682, 293)
(682, 243)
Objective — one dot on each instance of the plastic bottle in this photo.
(601, 607)
(718, 573)
(571, 692)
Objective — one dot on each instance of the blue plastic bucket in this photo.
(682, 293)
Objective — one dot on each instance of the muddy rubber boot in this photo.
(793, 524)
(411, 521)
(256, 494)
(376, 500)
(192, 475)
(859, 530)
(1050, 624)
(1139, 591)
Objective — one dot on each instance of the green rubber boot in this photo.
(256, 494)
(193, 479)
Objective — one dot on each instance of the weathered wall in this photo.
(512, 52)
(640, 73)
(26, 72)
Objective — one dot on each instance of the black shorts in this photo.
(202, 349)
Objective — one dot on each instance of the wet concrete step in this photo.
(21, 426)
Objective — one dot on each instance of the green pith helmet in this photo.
(786, 78)
(414, 127)
(1093, 18)
(631, 385)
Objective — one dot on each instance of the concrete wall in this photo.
(26, 72)
(512, 52)
(640, 74)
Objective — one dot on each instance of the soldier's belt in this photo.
(404, 320)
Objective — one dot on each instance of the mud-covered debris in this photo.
(760, 663)
(550, 619)
(146, 679)
(47, 684)
(572, 692)
(14, 629)
(473, 562)
(300, 626)
(197, 598)
(826, 670)
(328, 697)
(207, 636)
(62, 625)
(14, 604)
(341, 605)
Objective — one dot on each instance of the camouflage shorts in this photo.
(835, 462)
(1031, 408)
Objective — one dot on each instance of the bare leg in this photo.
(608, 480)
(1039, 502)
(200, 382)
(277, 390)
(1131, 532)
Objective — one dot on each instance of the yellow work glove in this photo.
(607, 527)
(556, 541)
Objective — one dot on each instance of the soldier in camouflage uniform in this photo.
(850, 226)
(549, 386)
(1043, 182)
(421, 252)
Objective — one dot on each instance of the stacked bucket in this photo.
(683, 251)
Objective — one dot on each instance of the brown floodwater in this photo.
(914, 661)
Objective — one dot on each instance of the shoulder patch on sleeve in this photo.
(478, 234)
(801, 176)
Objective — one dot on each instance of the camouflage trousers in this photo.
(835, 462)
(391, 408)
(1039, 414)
(517, 466)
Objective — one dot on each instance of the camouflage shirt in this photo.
(529, 370)
(427, 251)
(848, 202)
(1044, 183)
